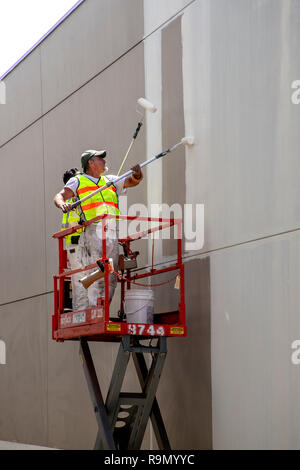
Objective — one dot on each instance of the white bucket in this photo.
(139, 305)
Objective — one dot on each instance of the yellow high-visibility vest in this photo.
(104, 202)
(70, 219)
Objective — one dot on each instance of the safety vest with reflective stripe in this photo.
(104, 202)
(70, 219)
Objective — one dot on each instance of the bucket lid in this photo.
(139, 294)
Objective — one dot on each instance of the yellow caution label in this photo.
(113, 327)
(176, 330)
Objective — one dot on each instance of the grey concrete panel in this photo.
(174, 186)
(184, 392)
(93, 37)
(23, 218)
(246, 127)
(71, 419)
(23, 385)
(23, 97)
(100, 115)
(255, 318)
(4, 445)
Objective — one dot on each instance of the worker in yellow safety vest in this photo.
(105, 202)
(71, 218)
(73, 248)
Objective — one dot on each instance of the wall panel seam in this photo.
(171, 18)
(27, 298)
(197, 254)
(185, 257)
(72, 93)
(96, 75)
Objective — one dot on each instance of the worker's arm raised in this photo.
(61, 198)
(134, 179)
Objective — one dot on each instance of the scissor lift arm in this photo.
(139, 406)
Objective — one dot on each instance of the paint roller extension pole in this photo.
(148, 106)
(131, 144)
(185, 141)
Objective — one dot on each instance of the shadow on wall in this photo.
(184, 393)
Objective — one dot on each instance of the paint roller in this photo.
(188, 141)
(148, 106)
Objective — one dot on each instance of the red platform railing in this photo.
(95, 322)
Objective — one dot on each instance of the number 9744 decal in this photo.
(140, 329)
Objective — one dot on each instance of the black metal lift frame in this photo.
(137, 406)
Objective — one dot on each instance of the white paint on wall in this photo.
(156, 12)
(196, 83)
(2, 93)
(2, 352)
(196, 93)
(153, 81)
(284, 117)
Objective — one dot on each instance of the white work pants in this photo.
(79, 293)
(92, 244)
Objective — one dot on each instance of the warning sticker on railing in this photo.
(113, 327)
(176, 330)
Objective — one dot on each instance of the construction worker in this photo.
(94, 166)
(70, 218)
(74, 250)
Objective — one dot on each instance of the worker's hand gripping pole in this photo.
(185, 141)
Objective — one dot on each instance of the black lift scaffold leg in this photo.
(122, 420)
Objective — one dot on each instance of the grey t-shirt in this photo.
(73, 183)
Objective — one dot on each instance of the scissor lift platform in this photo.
(91, 323)
(95, 324)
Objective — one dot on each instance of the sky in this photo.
(23, 23)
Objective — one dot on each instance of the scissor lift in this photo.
(123, 418)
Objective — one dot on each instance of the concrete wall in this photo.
(221, 71)
(239, 61)
(54, 112)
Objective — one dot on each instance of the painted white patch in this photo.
(196, 94)
(2, 93)
(156, 12)
(153, 124)
(227, 317)
(2, 352)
